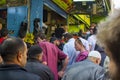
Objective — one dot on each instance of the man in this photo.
(51, 55)
(84, 41)
(0, 56)
(92, 40)
(69, 48)
(14, 55)
(35, 66)
(88, 69)
(109, 37)
(3, 35)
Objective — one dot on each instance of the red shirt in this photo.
(1, 40)
(82, 56)
(51, 54)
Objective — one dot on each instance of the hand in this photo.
(60, 73)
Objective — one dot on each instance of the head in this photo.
(14, 51)
(55, 41)
(40, 37)
(0, 56)
(79, 45)
(108, 36)
(4, 33)
(35, 52)
(0, 26)
(23, 30)
(67, 36)
(95, 57)
(80, 33)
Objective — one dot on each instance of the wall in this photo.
(15, 15)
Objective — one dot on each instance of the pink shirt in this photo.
(51, 54)
(82, 56)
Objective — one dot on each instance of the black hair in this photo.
(23, 30)
(40, 35)
(34, 51)
(11, 47)
(68, 35)
(52, 39)
(4, 32)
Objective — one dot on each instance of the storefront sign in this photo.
(66, 5)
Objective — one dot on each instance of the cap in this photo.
(95, 54)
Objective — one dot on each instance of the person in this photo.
(84, 41)
(35, 65)
(51, 55)
(109, 37)
(4, 35)
(83, 52)
(92, 39)
(69, 48)
(14, 55)
(0, 28)
(1, 60)
(88, 69)
(59, 31)
(57, 42)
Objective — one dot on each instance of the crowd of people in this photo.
(93, 55)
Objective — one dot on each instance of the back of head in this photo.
(23, 30)
(80, 33)
(52, 39)
(10, 48)
(95, 54)
(4, 32)
(108, 36)
(68, 35)
(40, 35)
(34, 51)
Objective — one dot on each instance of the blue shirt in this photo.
(69, 49)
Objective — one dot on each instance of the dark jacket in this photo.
(15, 72)
(36, 67)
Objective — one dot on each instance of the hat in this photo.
(95, 54)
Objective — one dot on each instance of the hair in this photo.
(79, 41)
(68, 35)
(23, 30)
(34, 51)
(108, 36)
(41, 35)
(4, 32)
(10, 48)
(52, 39)
(80, 33)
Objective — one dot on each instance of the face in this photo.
(57, 42)
(0, 26)
(77, 46)
(24, 56)
(40, 57)
(112, 66)
(1, 60)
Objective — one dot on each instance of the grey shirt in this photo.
(84, 70)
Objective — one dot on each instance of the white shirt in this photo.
(92, 41)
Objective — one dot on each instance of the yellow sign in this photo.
(66, 5)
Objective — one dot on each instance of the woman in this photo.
(80, 47)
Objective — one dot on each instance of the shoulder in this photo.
(31, 76)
